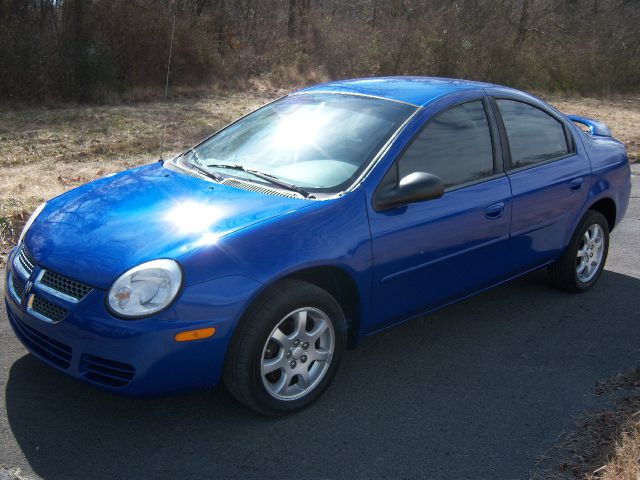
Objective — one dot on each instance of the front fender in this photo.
(330, 233)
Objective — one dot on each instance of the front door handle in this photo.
(576, 184)
(494, 211)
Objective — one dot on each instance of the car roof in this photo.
(417, 91)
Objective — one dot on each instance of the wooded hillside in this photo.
(87, 49)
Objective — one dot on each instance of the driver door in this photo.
(429, 253)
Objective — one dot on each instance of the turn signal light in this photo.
(195, 334)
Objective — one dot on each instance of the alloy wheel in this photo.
(297, 354)
(590, 253)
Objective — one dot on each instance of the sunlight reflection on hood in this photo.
(193, 217)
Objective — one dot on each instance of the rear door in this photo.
(428, 253)
(549, 179)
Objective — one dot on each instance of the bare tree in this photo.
(80, 49)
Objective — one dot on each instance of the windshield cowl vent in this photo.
(252, 187)
(236, 183)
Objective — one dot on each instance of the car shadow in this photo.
(480, 389)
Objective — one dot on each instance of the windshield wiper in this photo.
(198, 165)
(264, 176)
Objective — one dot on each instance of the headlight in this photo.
(145, 289)
(32, 218)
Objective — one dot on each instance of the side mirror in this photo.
(415, 187)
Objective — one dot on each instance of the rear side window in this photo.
(455, 145)
(534, 136)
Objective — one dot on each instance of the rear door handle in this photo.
(576, 184)
(494, 211)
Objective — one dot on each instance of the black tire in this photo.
(242, 371)
(563, 271)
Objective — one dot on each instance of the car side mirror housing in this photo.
(415, 187)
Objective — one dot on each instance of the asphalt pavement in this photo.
(482, 389)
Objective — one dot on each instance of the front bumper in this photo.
(133, 357)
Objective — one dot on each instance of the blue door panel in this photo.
(428, 253)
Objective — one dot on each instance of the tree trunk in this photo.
(291, 22)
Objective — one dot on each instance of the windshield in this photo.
(319, 142)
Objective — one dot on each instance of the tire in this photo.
(293, 328)
(569, 272)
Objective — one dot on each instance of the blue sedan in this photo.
(256, 257)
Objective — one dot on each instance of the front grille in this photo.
(18, 286)
(252, 187)
(26, 260)
(106, 372)
(65, 285)
(40, 344)
(47, 309)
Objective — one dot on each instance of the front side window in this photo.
(319, 142)
(534, 136)
(455, 146)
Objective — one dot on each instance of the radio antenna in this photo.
(166, 86)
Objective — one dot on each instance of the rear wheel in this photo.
(581, 264)
(287, 348)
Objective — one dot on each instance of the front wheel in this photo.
(581, 264)
(287, 348)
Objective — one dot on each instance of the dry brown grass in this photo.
(622, 114)
(604, 444)
(625, 464)
(623, 449)
(45, 152)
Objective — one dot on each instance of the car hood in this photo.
(98, 231)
